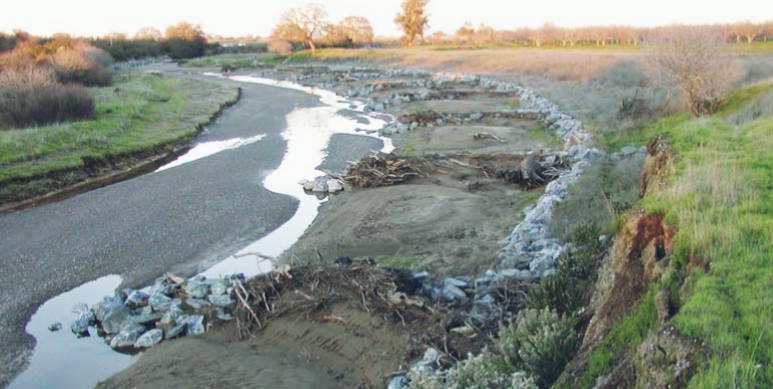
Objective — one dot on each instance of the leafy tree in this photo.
(413, 20)
(301, 25)
(357, 29)
(184, 31)
(184, 40)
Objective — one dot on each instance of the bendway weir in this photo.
(60, 360)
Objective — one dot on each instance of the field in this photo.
(139, 116)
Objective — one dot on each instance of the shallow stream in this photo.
(60, 360)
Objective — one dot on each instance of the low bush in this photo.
(557, 291)
(85, 77)
(25, 107)
(539, 342)
(476, 372)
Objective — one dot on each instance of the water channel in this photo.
(60, 360)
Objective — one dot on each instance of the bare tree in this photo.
(748, 30)
(692, 60)
(301, 25)
(148, 34)
(767, 30)
(413, 20)
(547, 33)
(466, 30)
(357, 29)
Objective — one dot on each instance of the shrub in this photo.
(559, 291)
(25, 107)
(78, 67)
(179, 48)
(85, 77)
(539, 343)
(476, 372)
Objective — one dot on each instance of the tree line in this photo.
(550, 34)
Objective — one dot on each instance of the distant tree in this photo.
(413, 20)
(466, 31)
(629, 35)
(767, 30)
(486, 34)
(301, 25)
(547, 33)
(568, 36)
(184, 31)
(692, 60)
(748, 30)
(184, 40)
(113, 37)
(148, 34)
(600, 35)
(334, 35)
(357, 29)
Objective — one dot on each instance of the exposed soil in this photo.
(338, 325)
(345, 325)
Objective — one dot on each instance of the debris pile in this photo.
(386, 169)
(313, 290)
(527, 170)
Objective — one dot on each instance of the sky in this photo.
(257, 18)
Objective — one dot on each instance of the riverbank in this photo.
(449, 221)
(178, 220)
(142, 120)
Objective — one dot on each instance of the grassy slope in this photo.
(720, 199)
(138, 113)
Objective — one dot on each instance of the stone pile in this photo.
(323, 184)
(171, 308)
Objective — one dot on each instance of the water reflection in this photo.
(60, 360)
(308, 133)
(206, 149)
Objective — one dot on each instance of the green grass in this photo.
(138, 113)
(234, 60)
(719, 197)
(410, 262)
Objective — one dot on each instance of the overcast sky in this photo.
(239, 18)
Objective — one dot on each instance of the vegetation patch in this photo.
(717, 196)
(138, 115)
